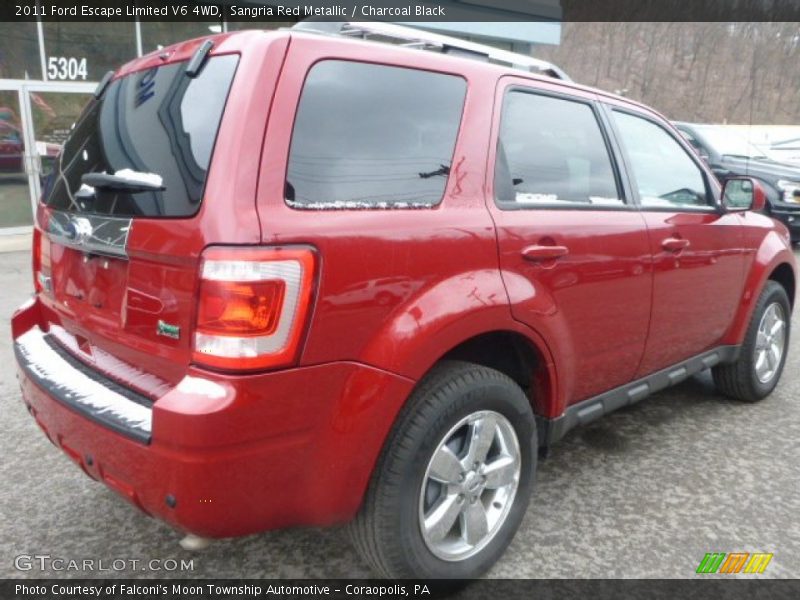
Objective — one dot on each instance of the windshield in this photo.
(147, 140)
(729, 143)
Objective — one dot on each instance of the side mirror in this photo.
(743, 193)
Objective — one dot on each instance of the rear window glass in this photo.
(373, 136)
(157, 126)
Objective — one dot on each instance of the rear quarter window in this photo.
(373, 136)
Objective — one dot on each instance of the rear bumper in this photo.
(226, 455)
(75, 385)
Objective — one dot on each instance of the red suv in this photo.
(288, 279)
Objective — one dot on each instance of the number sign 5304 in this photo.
(61, 67)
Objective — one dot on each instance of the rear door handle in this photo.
(674, 244)
(537, 253)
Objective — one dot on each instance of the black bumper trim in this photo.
(119, 416)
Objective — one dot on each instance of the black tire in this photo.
(387, 532)
(738, 379)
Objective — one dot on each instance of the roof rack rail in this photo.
(412, 37)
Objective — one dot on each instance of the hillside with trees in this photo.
(701, 72)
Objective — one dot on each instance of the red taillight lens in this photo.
(41, 262)
(240, 308)
(253, 306)
(37, 259)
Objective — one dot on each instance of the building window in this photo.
(84, 51)
(15, 200)
(19, 51)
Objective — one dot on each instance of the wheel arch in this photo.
(785, 275)
(512, 349)
(515, 355)
(773, 261)
(451, 320)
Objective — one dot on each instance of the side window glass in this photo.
(665, 174)
(373, 136)
(551, 151)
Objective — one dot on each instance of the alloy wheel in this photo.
(469, 485)
(770, 342)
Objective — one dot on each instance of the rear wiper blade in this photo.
(442, 170)
(125, 180)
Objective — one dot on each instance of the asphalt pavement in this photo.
(644, 492)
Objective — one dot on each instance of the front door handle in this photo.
(675, 244)
(537, 253)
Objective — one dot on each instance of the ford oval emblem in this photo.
(82, 228)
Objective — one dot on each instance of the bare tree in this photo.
(709, 72)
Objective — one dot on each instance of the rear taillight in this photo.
(37, 259)
(253, 306)
(42, 281)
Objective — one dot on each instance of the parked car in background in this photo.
(787, 151)
(730, 155)
(11, 147)
(376, 296)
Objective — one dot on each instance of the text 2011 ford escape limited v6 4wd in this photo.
(296, 279)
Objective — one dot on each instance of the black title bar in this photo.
(701, 586)
(400, 10)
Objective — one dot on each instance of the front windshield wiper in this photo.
(125, 181)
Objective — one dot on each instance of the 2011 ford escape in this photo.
(292, 279)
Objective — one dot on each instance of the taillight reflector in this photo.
(252, 306)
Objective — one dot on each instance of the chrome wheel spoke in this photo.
(474, 525)
(761, 361)
(775, 352)
(482, 433)
(442, 518)
(777, 327)
(500, 472)
(761, 340)
(445, 466)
